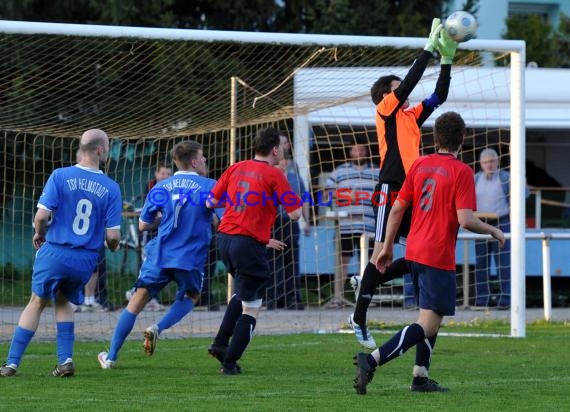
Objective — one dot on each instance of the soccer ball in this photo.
(461, 26)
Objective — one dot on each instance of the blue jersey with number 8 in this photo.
(83, 203)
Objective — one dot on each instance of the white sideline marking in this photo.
(455, 334)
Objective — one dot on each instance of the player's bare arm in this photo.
(469, 221)
(295, 214)
(276, 244)
(386, 256)
(150, 225)
(113, 237)
(211, 202)
(41, 223)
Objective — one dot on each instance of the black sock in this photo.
(243, 333)
(368, 286)
(401, 342)
(397, 269)
(424, 350)
(233, 312)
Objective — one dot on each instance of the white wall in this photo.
(492, 14)
(481, 95)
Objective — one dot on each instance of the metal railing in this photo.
(539, 201)
(465, 237)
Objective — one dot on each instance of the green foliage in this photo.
(374, 17)
(541, 45)
(299, 372)
(545, 45)
(15, 286)
(562, 38)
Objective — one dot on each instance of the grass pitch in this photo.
(300, 372)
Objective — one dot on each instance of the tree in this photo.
(541, 43)
(562, 38)
(374, 17)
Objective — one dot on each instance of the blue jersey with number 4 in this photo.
(83, 202)
(185, 231)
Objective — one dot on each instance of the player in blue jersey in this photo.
(81, 203)
(178, 252)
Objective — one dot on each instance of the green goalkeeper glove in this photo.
(433, 38)
(446, 47)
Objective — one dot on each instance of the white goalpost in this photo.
(150, 88)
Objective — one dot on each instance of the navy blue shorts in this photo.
(436, 288)
(64, 269)
(154, 279)
(246, 260)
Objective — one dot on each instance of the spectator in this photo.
(163, 171)
(357, 175)
(286, 289)
(493, 196)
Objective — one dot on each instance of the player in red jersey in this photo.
(251, 192)
(398, 128)
(441, 189)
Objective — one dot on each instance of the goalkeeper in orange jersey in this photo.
(398, 129)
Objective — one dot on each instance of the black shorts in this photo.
(385, 195)
(435, 288)
(246, 260)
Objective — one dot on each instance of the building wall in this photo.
(492, 13)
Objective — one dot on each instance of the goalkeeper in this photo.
(398, 129)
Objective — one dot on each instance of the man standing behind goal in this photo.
(398, 128)
(251, 192)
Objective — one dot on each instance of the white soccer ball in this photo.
(461, 26)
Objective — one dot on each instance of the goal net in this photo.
(151, 88)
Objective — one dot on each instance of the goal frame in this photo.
(516, 48)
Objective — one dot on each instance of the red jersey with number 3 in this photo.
(437, 185)
(251, 192)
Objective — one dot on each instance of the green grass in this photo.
(301, 372)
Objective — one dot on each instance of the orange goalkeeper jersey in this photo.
(398, 129)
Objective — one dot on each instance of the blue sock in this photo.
(64, 338)
(410, 336)
(243, 333)
(178, 310)
(233, 312)
(20, 342)
(122, 330)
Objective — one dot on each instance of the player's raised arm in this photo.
(418, 67)
(446, 47)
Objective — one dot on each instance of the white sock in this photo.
(420, 371)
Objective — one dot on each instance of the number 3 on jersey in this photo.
(82, 214)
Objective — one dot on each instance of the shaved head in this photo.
(92, 139)
(93, 147)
